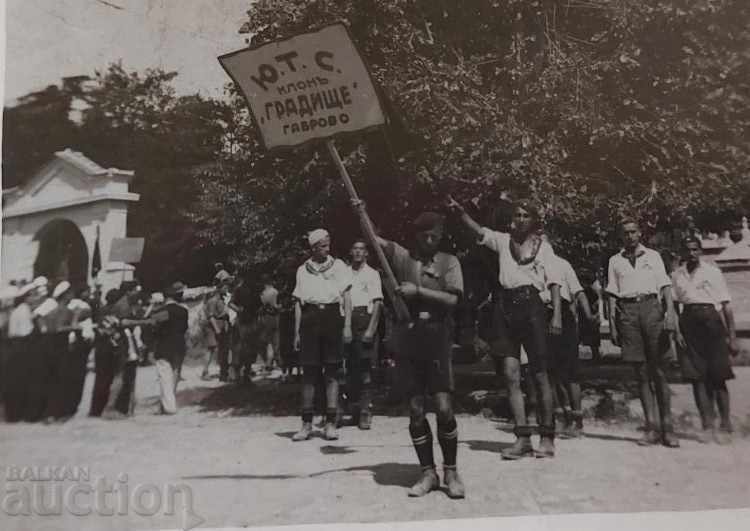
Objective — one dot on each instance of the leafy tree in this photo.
(37, 126)
(595, 108)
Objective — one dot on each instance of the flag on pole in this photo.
(96, 262)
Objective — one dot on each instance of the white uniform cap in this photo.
(317, 236)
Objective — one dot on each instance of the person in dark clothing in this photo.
(707, 334)
(122, 391)
(432, 286)
(21, 335)
(171, 323)
(59, 325)
(108, 349)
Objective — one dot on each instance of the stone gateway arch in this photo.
(52, 222)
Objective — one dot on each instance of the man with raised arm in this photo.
(520, 318)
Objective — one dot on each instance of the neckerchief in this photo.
(315, 268)
(515, 250)
(639, 251)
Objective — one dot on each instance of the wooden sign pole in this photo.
(402, 312)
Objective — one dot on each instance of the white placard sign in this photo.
(307, 87)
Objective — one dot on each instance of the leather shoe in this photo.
(521, 448)
(330, 433)
(304, 433)
(670, 440)
(427, 483)
(546, 448)
(456, 489)
(649, 438)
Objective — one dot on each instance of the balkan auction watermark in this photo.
(73, 490)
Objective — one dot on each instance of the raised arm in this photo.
(466, 219)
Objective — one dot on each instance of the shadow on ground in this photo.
(386, 474)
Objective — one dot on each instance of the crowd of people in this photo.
(538, 311)
(49, 336)
(535, 302)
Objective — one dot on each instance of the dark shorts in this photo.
(563, 349)
(706, 357)
(268, 328)
(321, 330)
(641, 327)
(424, 357)
(520, 318)
(358, 350)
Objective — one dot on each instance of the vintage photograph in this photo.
(290, 262)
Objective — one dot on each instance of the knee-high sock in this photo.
(448, 439)
(421, 438)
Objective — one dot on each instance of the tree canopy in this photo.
(594, 108)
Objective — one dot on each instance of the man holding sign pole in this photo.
(432, 284)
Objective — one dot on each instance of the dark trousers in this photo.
(222, 354)
(57, 366)
(38, 369)
(15, 377)
(74, 377)
(104, 358)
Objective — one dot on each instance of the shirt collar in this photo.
(640, 250)
(362, 269)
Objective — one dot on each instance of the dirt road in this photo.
(244, 470)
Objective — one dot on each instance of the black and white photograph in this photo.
(375, 265)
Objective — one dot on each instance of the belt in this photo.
(699, 306)
(520, 291)
(322, 306)
(638, 298)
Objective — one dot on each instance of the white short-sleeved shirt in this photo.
(570, 286)
(322, 283)
(366, 287)
(539, 273)
(20, 322)
(647, 277)
(269, 296)
(705, 285)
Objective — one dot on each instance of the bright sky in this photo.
(51, 39)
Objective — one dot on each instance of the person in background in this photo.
(20, 337)
(40, 359)
(362, 354)
(636, 279)
(110, 347)
(268, 326)
(171, 322)
(216, 326)
(243, 341)
(58, 325)
(708, 337)
(80, 342)
(322, 312)
(121, 403)
(564, 349)
(590, 331)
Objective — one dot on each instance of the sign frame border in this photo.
(306, 143)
